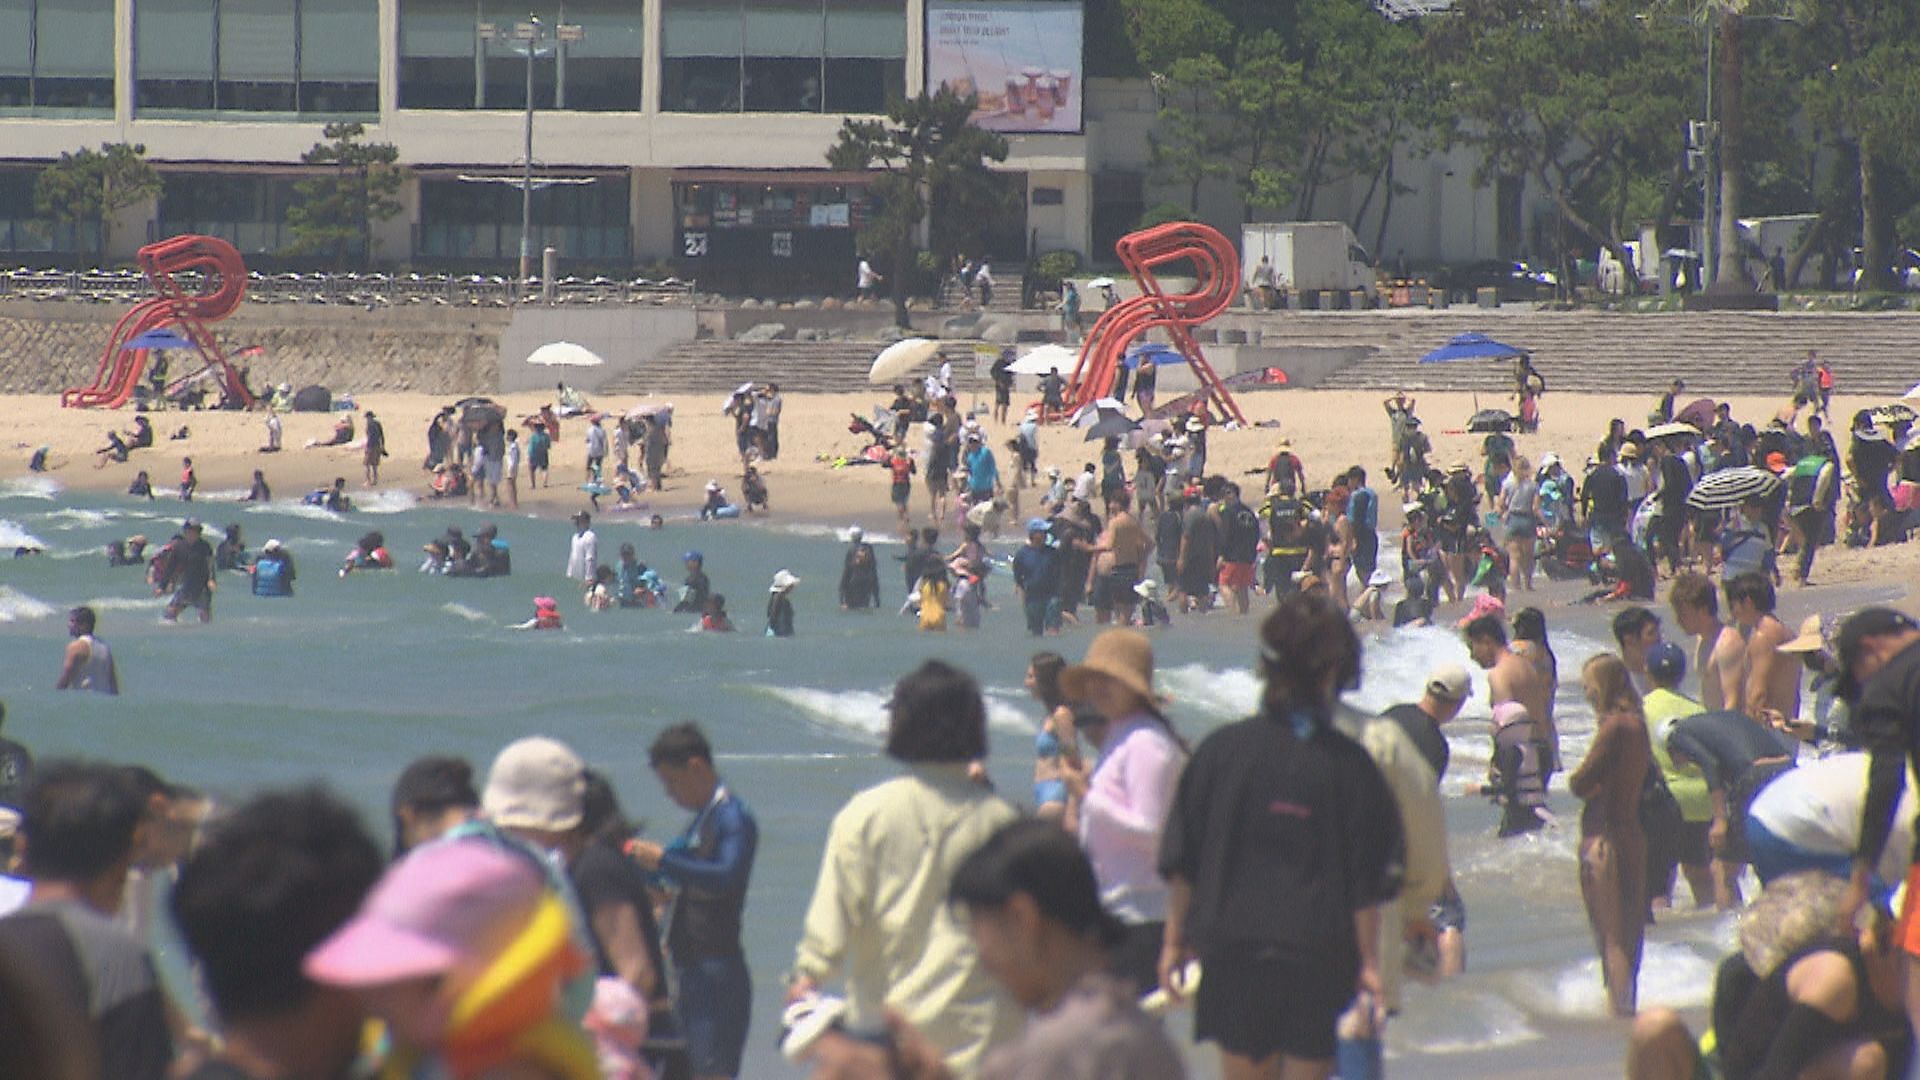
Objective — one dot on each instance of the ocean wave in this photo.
(864, 712)
(295, 508)
(126, 603)
(30, 487)
(465, 612)
(1215, 693)
(814, 531)
(16, 606)
(385, 502)
(15, 535)
(73, 517)
(1673, 976)
(1457, 1022)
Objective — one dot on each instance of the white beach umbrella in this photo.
(901, 357)
(1045, 359)
(564, 354)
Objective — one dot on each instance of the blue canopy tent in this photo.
(1473, 347)
(159, 339)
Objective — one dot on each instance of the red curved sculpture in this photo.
(1217, 269)
(220, 266)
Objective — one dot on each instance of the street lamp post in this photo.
(533, 37)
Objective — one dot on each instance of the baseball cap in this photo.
(1035, 525)
(1850, 643)
(1449, 682)
(535, 783)
(692, 556)
(190, 523)
(432, 910)
(1667, 662)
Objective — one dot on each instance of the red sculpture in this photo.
(1217, 270)
(224, 280)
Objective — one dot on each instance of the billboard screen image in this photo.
(1020, 57)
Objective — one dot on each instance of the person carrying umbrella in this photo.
(1530, 386)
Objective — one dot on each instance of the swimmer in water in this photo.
(89, 663)
(713, 619)
(369, 554)
(546, 615)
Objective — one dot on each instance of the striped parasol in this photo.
(1896, 413)
(1728, 488)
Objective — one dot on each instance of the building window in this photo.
(584, 221)
(267, 56)
(56, 55)
(250, 212)
(806, 56)
(445, 65)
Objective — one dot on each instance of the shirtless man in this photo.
(1772, 686)
(1119, 562)
(1637, 630)
(1512, 677)
(1720, 652)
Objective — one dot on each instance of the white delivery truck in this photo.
(1307, 256)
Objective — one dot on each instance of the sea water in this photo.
(352, 678)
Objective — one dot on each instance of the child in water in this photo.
(1152, 612)
(141, 486)
(967, 594)
(188, 481)
(714, 619)
(933, 599)
(600, 592)
(369, 554)
(546, 615)
(780, 605)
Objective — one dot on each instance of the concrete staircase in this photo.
(1717, 353)
(716, 366)
(1008, 286)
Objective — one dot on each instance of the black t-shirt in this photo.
(1606, 495)
(1282, 840)
(16, 772)
(1411, 610)
(603, 876)
(1675, 482)
(1887, 721)
(1425, 734)
(1243, 534)
(195, 565)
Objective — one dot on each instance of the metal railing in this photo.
(356, 290)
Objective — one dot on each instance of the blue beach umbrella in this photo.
(1472, 347)
(1161, 354)
(159, 339)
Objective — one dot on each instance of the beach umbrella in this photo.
(1111, 422)
(901, 357)
(1675, 430)
(1089, 414)
(469, 402)
(743, 388)
(1895, 413)
(1045, 359)
(662, 409)
(158, 339)
(1490, 420)
(1100, 283)
(1728, 488)
(1472, 347)
(564, 354)
(1913, 394)
(1698, 412)
(1160, 354)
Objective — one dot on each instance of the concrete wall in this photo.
(624, 337)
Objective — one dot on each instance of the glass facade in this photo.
(257, 56)
(248, 211)
(444, 64)
(56, 55)
(805, 56)
(461, 220)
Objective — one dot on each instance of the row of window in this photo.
(323, 56)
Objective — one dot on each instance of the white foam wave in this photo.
(71, 517)
(1671, 975)
(16, 606)
(15, 535)
(1227, 694)
(385, 502)
(864, 712)
(295, 508)
(220, 495)
(813, 530)
(1458, 1022)
(125, 603)
(30, 487)
(465, 612)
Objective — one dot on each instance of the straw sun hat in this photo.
(1125, 656)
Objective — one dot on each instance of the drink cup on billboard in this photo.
(1062, 86)
(1044, 102)
(1033, 75)
(1016, 95)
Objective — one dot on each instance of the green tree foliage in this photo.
(334, 213)
(92, 186)
(1581, 98)
(927, 153)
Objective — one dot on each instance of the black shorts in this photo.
(1258, 1002)
(1115, 587)
(901, 493)
(1197, 580)
(1690, 847)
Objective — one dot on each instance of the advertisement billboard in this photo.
(1021, 57)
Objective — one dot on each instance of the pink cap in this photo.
(433, 909)
(1484, 604)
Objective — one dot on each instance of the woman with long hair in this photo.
(1530, 644)
(1613, 849)
(1283, 841)
(1056, 746)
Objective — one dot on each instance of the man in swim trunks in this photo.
(193, 570)
(1720, 653)
(1512, 677)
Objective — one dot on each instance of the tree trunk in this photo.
(902, 266)
(1731, 263)
(1874, 273)
(1386, 211)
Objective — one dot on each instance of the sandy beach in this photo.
(1331, 430)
